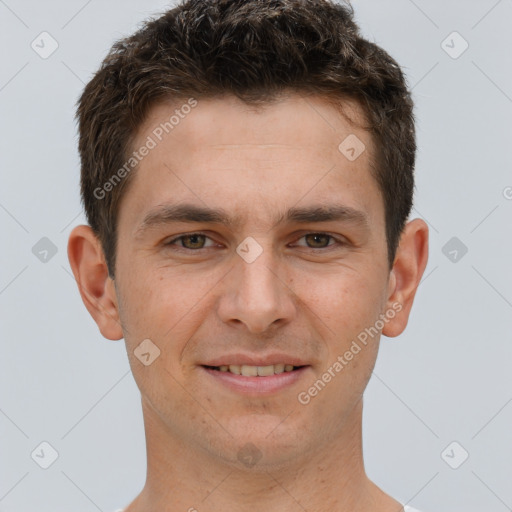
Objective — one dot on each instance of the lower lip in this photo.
(257, 385)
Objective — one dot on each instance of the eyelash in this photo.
(337, 241)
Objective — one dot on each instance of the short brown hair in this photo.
(255, 50)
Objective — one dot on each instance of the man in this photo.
(247, 174)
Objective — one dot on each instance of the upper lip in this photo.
(255, 360)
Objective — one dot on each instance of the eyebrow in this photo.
(168, 213)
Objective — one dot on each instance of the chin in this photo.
(265, 440)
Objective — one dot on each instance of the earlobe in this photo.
(408, 268)
(96, 288)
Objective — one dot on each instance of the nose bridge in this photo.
(255, 294)
(257, 280)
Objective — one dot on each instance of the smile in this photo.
(255, 381)
(255, 371)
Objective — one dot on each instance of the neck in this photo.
(186, 478)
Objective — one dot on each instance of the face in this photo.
(248, 238)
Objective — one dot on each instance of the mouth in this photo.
(247, 370)
(254, 381)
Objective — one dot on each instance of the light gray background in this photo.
(447, 378)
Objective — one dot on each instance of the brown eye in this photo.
(317, 240)
(194, 241)
(191, 242)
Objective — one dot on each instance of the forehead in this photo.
(293, 121)
(222, 152)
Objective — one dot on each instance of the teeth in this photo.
(249, 371)
(254, 371)
(264, 371)
(279, 368)
(234, 368)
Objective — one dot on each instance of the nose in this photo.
(257, 295)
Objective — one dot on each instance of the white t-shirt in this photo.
(406, 509)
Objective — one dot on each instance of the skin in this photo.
(303, 295)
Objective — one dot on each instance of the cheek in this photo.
(156, 299)
(346, 302)
(153, 310)
(165, 306)
(342, 309)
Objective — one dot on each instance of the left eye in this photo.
(317, 240)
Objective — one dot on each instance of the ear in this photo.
(410, 262)
(96, 288)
